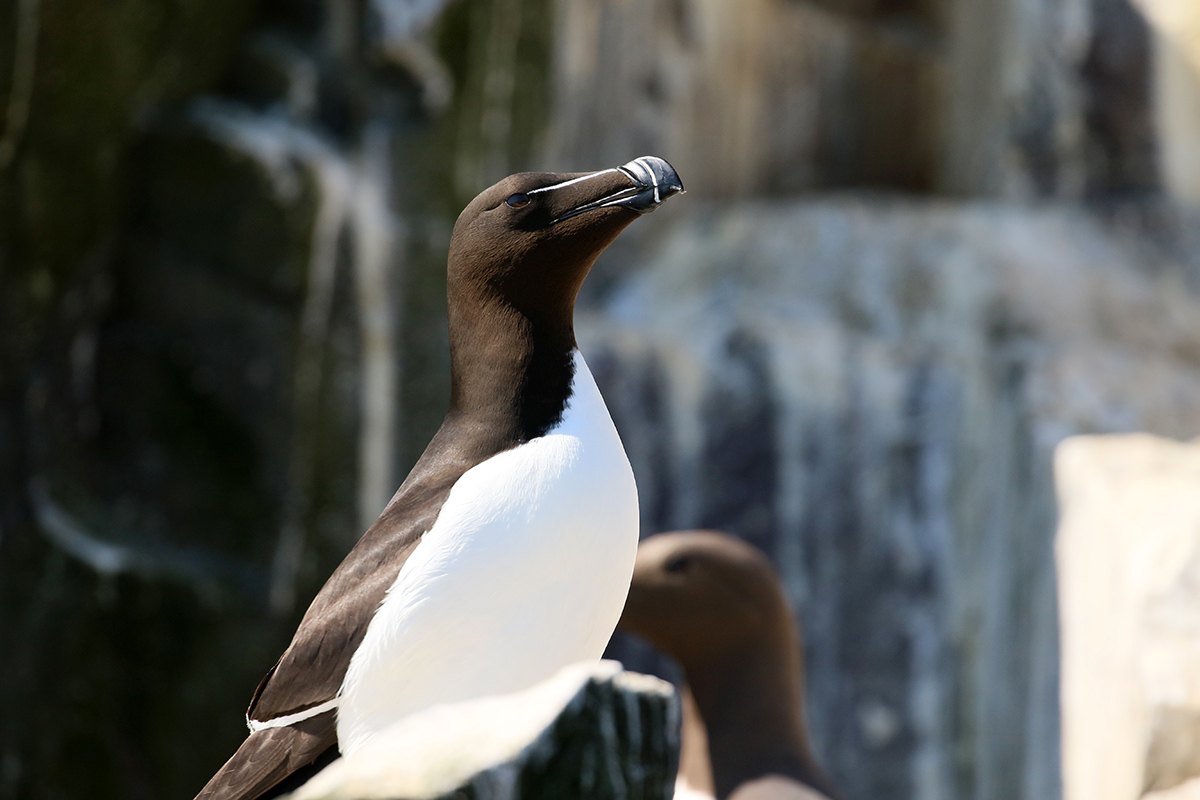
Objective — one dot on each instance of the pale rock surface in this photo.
(591, 732)
(989, 98)
(1129, 587)
(733, 92)
(1176, 26)
(871, 392)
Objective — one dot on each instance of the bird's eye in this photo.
(678, 564)
(518, 200)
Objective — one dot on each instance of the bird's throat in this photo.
(510, 373)
(752, 713)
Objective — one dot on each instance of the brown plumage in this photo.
(272, 762)
(714, 604)
(518, 255)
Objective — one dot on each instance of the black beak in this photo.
(654, 180)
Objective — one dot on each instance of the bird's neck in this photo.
(751, 706)
(510, 373)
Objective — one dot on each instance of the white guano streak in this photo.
(354, 200)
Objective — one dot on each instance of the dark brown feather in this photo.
(311, 670)
(268, 757)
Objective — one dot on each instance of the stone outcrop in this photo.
(592, 732)
(1128, 552)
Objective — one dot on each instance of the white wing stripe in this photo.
(291, 719)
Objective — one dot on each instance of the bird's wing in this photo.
(308, 675)
(268, 758)
(303, 685)
(310, 672)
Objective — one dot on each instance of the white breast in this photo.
(525, 571)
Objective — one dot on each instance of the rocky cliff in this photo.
(923, 243)
(871, 391)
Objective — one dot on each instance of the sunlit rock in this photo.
(1129, 586)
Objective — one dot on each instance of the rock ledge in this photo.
(592, 732)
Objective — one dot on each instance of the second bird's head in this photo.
(705, 596)
(528, 242)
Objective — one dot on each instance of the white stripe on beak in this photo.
(573, 181)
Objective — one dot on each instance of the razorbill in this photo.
(507, 552)
(714, 604)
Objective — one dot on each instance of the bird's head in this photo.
(701, 595)
(528, 242)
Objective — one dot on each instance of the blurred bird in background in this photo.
(714, 604)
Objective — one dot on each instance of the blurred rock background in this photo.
(924, 241)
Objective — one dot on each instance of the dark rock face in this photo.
(199, 297)
(1116, 77)
(87, 649)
